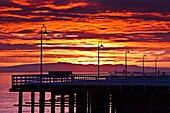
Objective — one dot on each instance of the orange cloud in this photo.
(21, 2)
(117, 30)
(64, 7)
(3, 9)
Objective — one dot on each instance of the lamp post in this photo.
(144, 55)
(156, 65)
(126, 52)
(99, 46)
(42, 32)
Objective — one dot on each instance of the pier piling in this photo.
(81, 102)
(100, 103)
(71, 103)
(62, 103)
(20, 102)
(52, 102)
(32, 101)
(42, 101)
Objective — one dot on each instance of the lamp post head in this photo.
(144, 55)
(156, 58)
(127, 51)
(45, 32)
(100, 45)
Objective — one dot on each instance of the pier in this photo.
(87, 93)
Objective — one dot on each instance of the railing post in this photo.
(42, 79)
(20, 81)
(72, 79)
(14, 80)
(38, 79)
(25, 81)
(50, 79)
(16, 83)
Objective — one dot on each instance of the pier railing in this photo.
(89, 79)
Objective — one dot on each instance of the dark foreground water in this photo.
(9, 99)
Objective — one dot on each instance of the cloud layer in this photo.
(76, 26)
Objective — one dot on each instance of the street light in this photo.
(126, 51)
(45, 33)
(99, 46)
(144, 55)
(156, 58)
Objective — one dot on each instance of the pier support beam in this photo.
(161, 103)
(52, 102)
(120, 102)
(42, 102)
(151, 103)
(81, 102)
(32, 101)
(100, 103)
(20, 102)
(71, 103)
(62, 103)
(89, 102)
(113, 103)
(129, 102)
(141, 103)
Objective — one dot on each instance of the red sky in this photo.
(76, 26)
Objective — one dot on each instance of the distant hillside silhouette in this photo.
(75, 68)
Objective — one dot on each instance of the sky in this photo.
(75, 27)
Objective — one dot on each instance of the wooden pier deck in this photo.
(96, 94)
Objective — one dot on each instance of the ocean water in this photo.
(9, 99)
